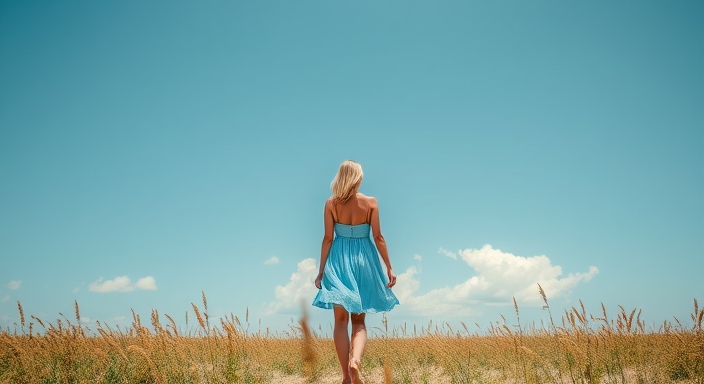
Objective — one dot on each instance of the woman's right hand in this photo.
(392, 278)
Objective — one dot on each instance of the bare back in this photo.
(359, 209)
(356, 210)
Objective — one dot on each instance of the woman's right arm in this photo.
(380, 242)
(327, 240)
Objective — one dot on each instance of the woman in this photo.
(351, 281)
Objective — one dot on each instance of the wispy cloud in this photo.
(6, 298)
(271, 261)
(299, 287)
(499, 277)
(447, 253)
(14, 284)
(116, 320)
(121, 284)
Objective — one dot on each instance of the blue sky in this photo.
(153, 150)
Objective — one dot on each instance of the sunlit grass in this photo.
(578, 348)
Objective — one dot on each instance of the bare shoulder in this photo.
(371, 200)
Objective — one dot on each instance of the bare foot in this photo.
(355, 372)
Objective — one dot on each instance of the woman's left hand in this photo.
(318, 280)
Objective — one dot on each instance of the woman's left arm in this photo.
(327, 240)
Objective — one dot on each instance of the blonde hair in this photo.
(347, 180)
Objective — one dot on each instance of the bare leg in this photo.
(359, 340)
(342, 341)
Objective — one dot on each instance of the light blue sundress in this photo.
(353, 277)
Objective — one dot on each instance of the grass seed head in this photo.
(19, 307)
(78, 311)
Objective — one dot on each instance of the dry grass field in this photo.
(576, 348)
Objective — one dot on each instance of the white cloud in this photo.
(447, 253)
(509, 275)
(14, 284)
(418, 258)
(147, 282)
(406, 284)
(444, 301)
(121, 284)
(499, 277)
(299, 288)
(75, 290)
(6, 298)
(271, 261)
(85, 319)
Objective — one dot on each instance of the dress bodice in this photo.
(353, 231)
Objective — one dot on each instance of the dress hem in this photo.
(326, 305)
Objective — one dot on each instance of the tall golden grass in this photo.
(579, 348)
